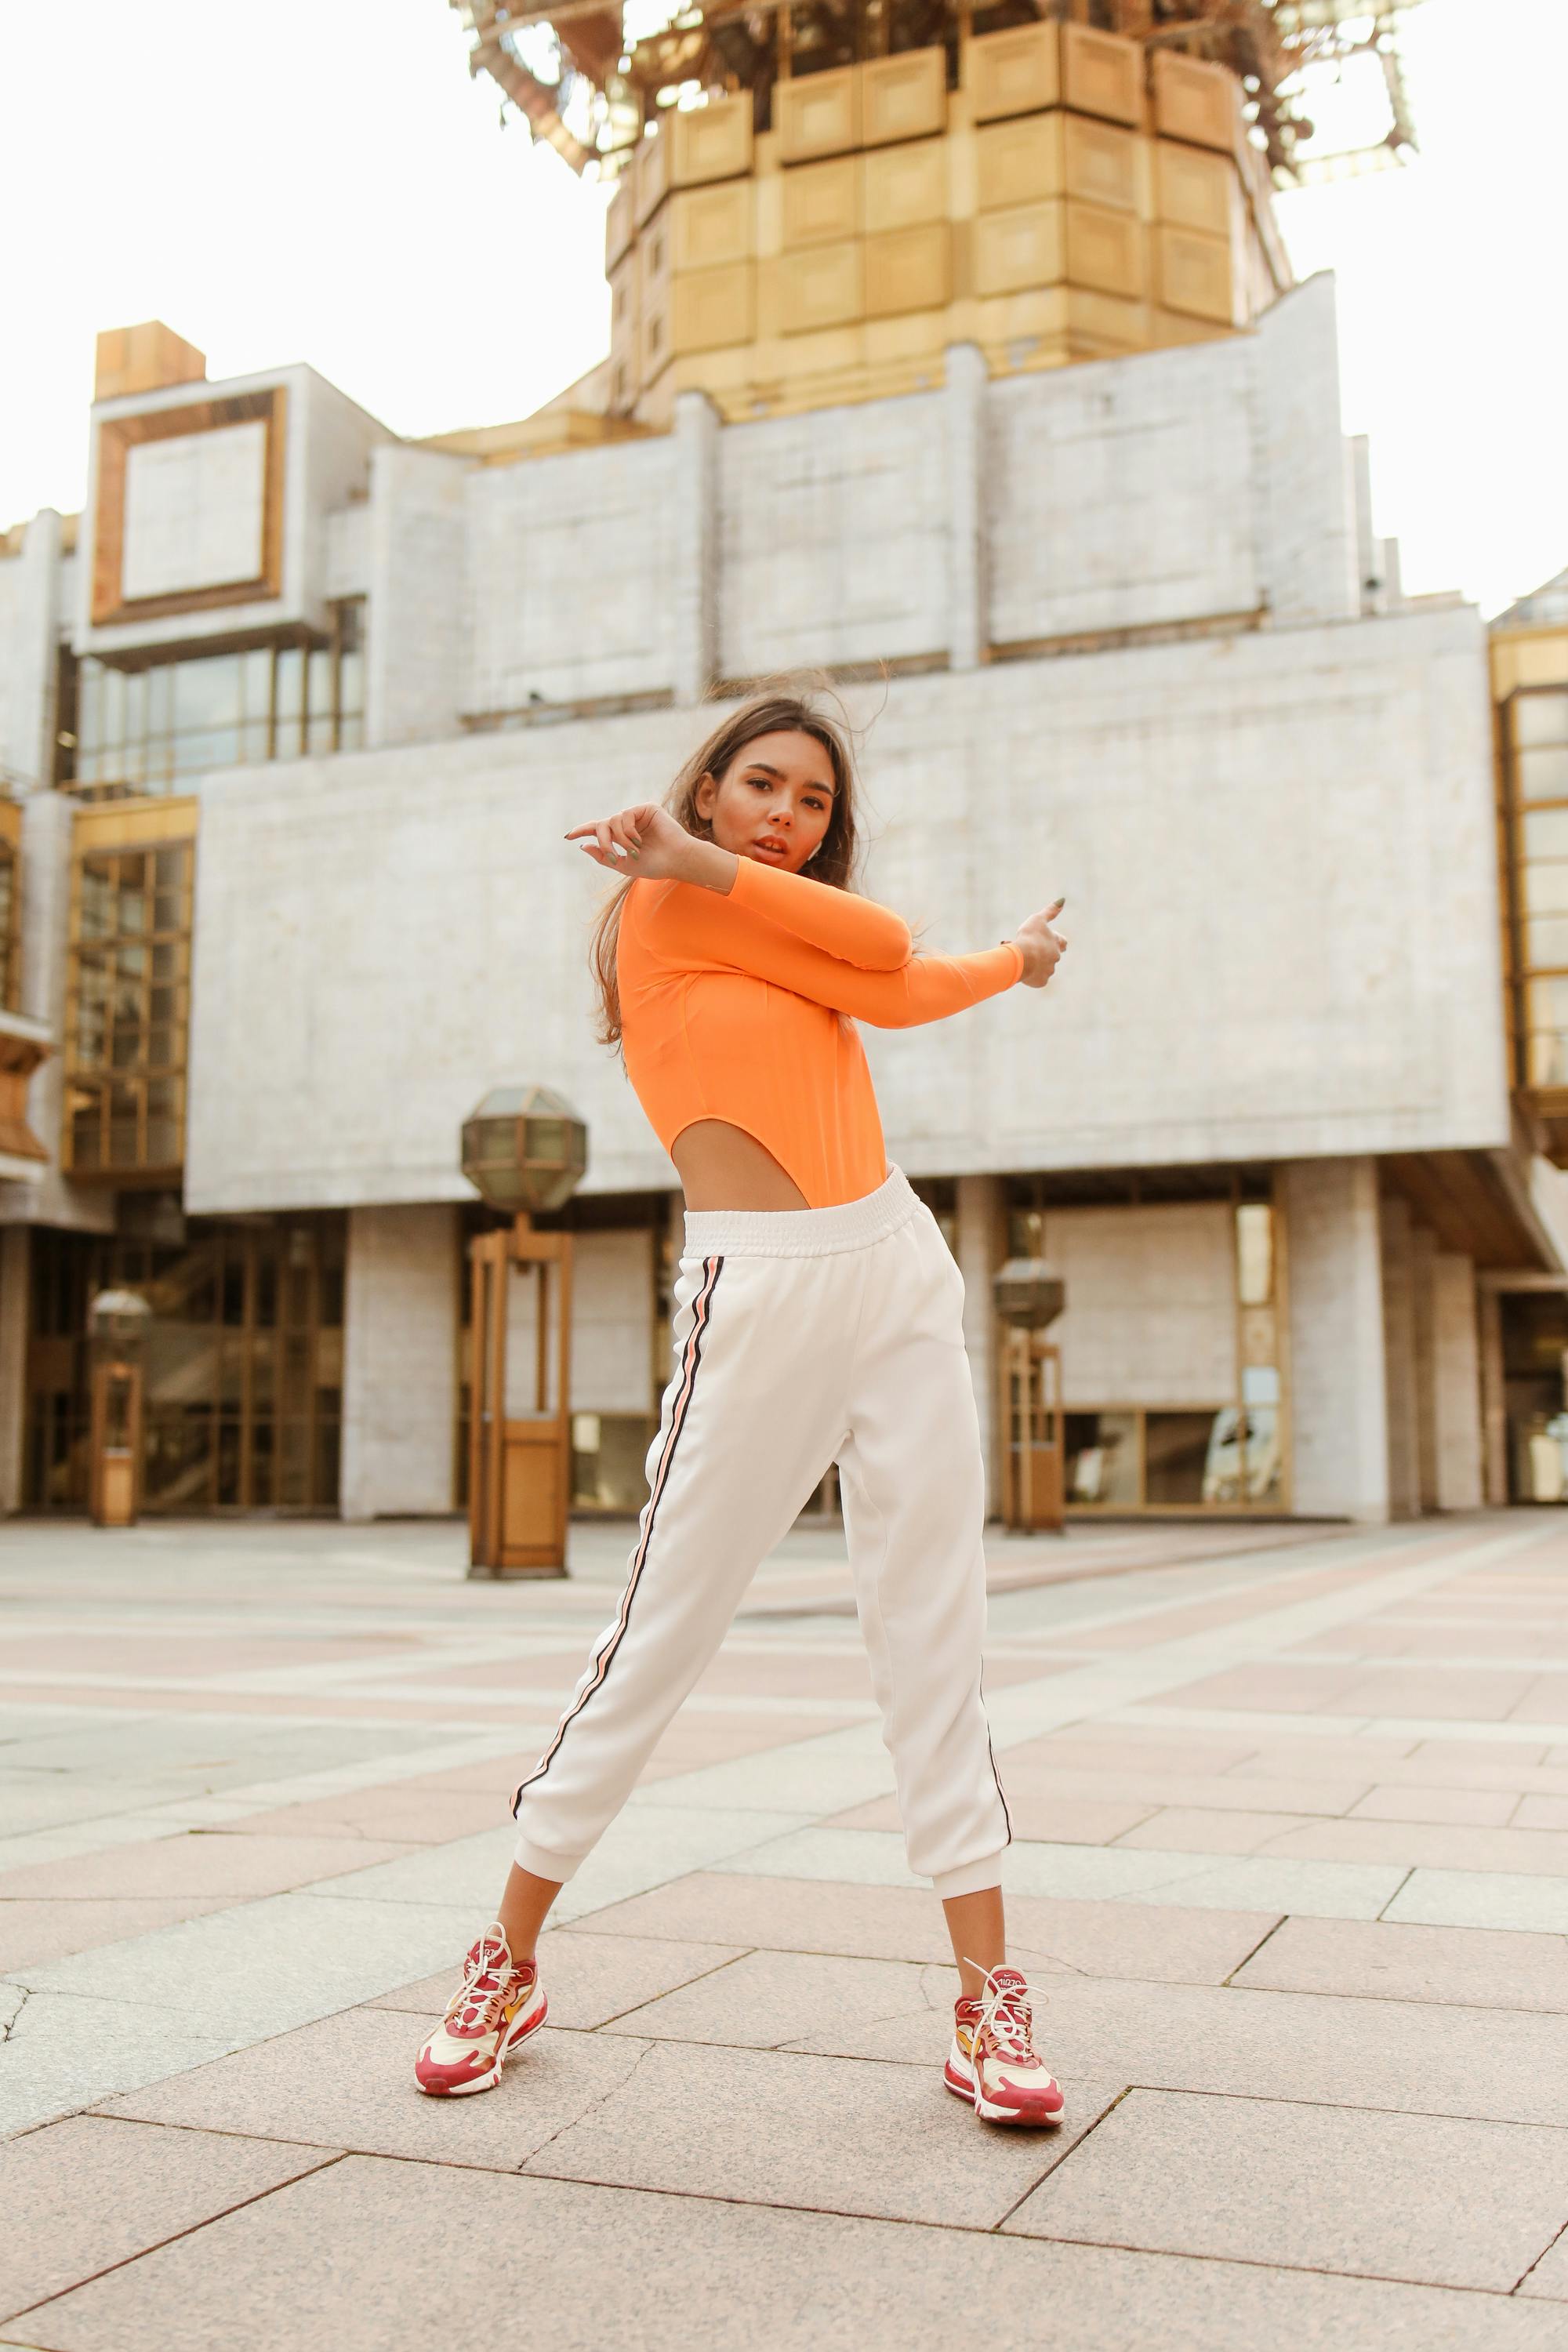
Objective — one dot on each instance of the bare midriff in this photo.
(722, 1167)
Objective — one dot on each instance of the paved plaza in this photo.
(1290, 1874)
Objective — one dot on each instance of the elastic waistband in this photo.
(803, 1232)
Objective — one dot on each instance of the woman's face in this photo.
(774, 801)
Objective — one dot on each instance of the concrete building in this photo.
(294, 718)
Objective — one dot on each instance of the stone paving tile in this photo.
(1423, 1844)
(1484, 1806)
(64, 2051)
(1476, 1968)
(588, 1979)
(1549, 2280)
(1066, 1821)
(202, 1863)
(778, 2128)
(82, 2195)
(347, 2082)
(405, 1815)
(1542, 1813)
(1197, 1829)
(1082, 1749)
(1482, 1898)
(34, 1932)
(1268, 1689)
(1425, 2199)
(1546, 1701)
(1410, 2057)
(814, 1777)
(340, 2259)
(239, 1974)
(1479, 1694)
(766, 2001)
(905, 1924)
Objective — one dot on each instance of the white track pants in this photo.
(802, 1336)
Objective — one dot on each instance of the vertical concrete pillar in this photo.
(1423, 1258)
(400, 1361)
(1456, 1362)
(968, 620)
(1339, 1402)
(980, 1237)
(16, 1317)
(1399, 1361)
(419, 635)
(1494, 1399)
(46, 927)
(696, 526)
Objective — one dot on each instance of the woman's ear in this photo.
(703, 798)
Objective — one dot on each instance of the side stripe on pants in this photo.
(691, 1356)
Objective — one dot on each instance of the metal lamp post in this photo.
(117, 1323)
(524, 1150)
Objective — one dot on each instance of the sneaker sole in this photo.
(522, 2027)
(1025, 2118)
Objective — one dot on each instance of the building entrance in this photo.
(242, 1401)
(1535, 1390)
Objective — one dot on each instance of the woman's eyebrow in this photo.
(762, 768)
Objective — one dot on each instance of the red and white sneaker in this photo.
(994, 2062)
(498, 2004)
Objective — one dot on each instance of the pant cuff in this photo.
(545, 1864)
(973, 1878)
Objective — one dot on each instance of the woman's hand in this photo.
(1039, 945)
(646, 843)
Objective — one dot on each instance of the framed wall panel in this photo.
(189, 508)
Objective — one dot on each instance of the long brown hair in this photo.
(773, 712)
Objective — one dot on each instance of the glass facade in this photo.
(1225, 1455)
(128, 1011)
(244, 1363)
(1535, 751)
(151, 729)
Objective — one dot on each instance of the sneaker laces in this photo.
(1006, 2015)
(476, 2005)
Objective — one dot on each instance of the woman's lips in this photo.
(777, 850)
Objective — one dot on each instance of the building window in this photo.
(128, 1011)
(10, 911)
(243, 1407)
(1535, 724)
(150, 730)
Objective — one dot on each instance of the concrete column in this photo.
(968, 620)
(1339, 1404)
(400, 1361)
(16, 1316)
(980, 1237)
(1423, 1258)
(1399, 1361)
(696, 526)
(1494, 1399)
(418, 636)
(27, 691)
(1456, 1364)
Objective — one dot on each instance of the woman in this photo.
(818, 1317)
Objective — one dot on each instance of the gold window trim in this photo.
(117, 436)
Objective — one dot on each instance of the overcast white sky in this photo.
(318, 180)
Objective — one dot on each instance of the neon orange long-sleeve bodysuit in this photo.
(732, 1006)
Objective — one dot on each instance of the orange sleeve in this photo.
(694, 928)
(855, 930)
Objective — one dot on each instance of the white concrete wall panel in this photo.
(400, 1361)
(1338, 1405)
(613, 1322)
(834, 537)
(1277, 850)
(1120, 494)
(572, 577)
(1151, 1304)
(29, 585)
